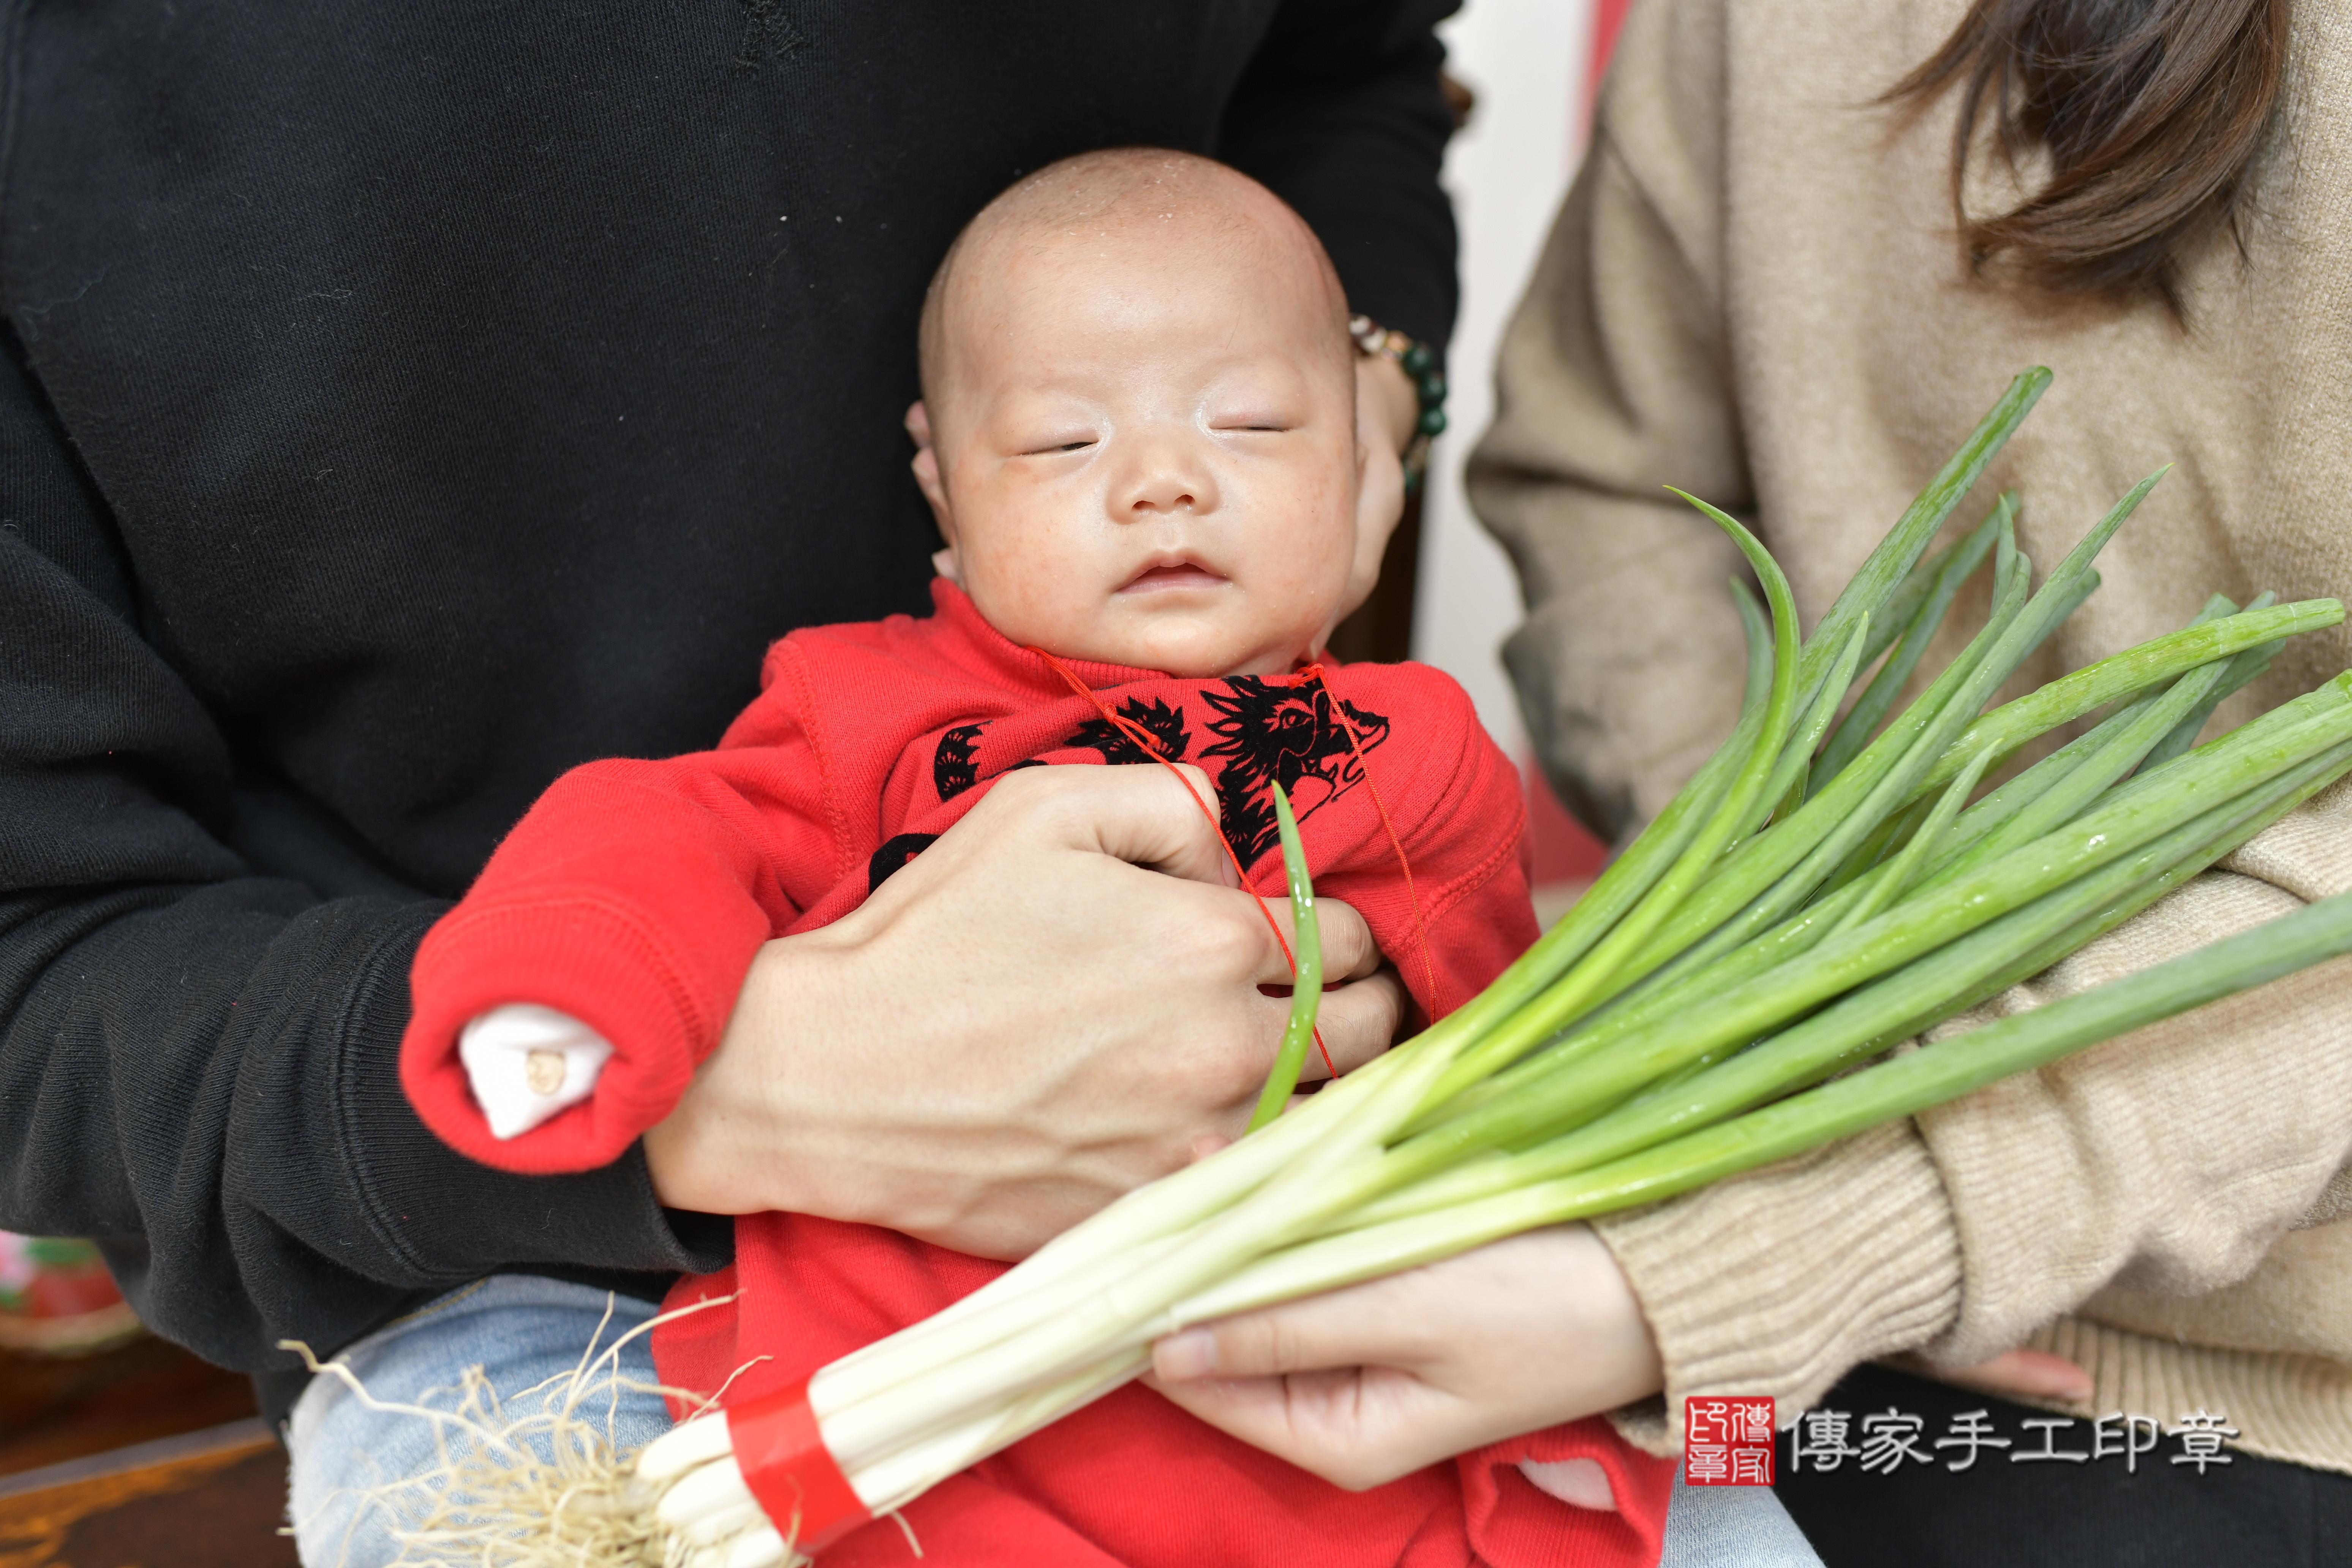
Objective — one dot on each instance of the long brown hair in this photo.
(2152, 111)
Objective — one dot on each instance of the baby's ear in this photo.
(927, 472)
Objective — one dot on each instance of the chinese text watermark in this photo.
(1727, 1441)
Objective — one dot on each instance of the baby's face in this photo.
(1145, 444)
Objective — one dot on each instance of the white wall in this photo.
(1507, 171)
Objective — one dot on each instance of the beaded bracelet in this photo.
(1419, 366)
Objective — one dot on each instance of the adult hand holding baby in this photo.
(1054, 1004)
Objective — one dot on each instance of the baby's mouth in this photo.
(1172, 574)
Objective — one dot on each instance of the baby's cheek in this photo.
(1308, 577)
(1020, 593)
(1041, 610)
(1323, 548)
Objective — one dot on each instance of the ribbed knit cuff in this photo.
(1779, 1281)
(2297, 1408)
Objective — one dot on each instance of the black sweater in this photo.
(406, 402)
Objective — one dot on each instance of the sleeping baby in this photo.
(1138, 434)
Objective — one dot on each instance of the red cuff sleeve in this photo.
(1512, 1522)
(630, 898)
(595, 964)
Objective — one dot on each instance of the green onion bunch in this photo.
(1834, 882)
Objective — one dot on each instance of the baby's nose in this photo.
(1164, 475)
(1164, 496)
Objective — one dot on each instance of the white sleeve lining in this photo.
(527, 1062)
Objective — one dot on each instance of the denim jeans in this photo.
(523, 1332)
(1732, 1527)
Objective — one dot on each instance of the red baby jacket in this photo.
(634, 895)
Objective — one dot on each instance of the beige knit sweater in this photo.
(1755, 291)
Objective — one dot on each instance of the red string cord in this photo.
(1142, 737)
(1355, 743)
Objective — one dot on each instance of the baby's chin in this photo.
(1195, 645)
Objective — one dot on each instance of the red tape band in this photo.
(791, 1472)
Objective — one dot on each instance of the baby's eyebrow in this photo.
(1082, 385)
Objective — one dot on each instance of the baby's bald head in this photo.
(1139, 429)
(1140, 210)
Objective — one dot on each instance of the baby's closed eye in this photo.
(1059, 441)
(1254, 417)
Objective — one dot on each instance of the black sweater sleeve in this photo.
(197, 1063)
(1341, 115)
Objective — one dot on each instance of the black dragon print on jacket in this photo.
(1265, 733)
(1283, 734)
(1164, 724)
(893, 855)
(952, 768)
